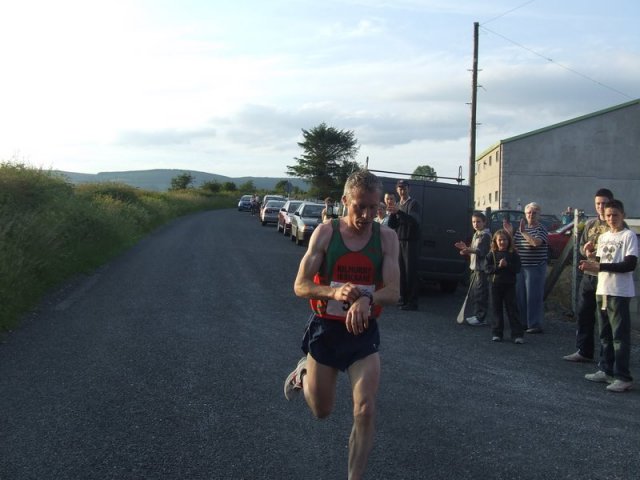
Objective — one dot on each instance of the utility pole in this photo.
(474, 99)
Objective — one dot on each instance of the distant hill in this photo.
(160, 180)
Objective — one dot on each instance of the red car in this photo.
(558, 238)
(284, 216)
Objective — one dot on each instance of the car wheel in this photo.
(263, 223)
(293, 235)
(299, 241)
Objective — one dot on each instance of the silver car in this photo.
(269, 213)
(305, 220)
(284, 217)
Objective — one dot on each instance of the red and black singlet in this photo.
(341, 265)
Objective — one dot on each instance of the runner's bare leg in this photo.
(365, 379)
(319, 387)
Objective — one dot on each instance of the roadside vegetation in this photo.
(51, 229)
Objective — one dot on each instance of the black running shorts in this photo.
(329, 342)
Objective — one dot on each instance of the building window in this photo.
(489, 198)
(497, 157)
(489, 160)
(496, 197)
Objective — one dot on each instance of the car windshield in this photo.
(246, 197)
(312, 211)
(563, 228)
(497, 217)
(274, 204)
(293, 206)
(550, 221)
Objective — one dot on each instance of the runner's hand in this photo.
(348, 293)
(357, 320)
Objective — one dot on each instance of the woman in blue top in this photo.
(530, 241)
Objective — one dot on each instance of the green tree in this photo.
(247, 186)
(229, 187)
(425, 172)
(211, 186)
(282, 187)
(297, 192)
(182, 181)
(327, 159)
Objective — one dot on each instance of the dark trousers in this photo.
(615, 336)
(586, 319)
(409, 271)
(503, 296)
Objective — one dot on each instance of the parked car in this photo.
(266, 199)
(446, 210)
(244, 204)
(304, 221)
(269, 213)
(284, 216)
(495, 218)
(558, 239)
(550, 221)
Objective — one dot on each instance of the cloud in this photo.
(156, 138)
(362, 28)
(221, 87)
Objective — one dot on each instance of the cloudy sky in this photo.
(225, 86)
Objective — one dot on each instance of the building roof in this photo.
(558, 125)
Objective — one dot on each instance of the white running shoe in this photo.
(293, 383)
(619, 386)
(599, 377)
(474, 322)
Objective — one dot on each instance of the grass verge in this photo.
(51, 230)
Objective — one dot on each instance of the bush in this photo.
(23, 188)
(50, 230)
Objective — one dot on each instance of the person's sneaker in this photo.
(619, 386)
(474, 322)
(293, 383)
(576, 357)
(599, 377)
(518, 340)
(535, 330)
(496, 338)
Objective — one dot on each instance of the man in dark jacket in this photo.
(405, 218)
(587, 305)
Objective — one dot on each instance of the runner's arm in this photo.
(304, 285)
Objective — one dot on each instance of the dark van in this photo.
(446, 219)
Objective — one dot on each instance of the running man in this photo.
(350, 270)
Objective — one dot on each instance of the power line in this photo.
(508, 12)
(554, 62)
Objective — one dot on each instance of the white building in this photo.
(564, 164)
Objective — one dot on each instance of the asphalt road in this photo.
(168, 363)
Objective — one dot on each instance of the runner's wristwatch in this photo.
(368, 294)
